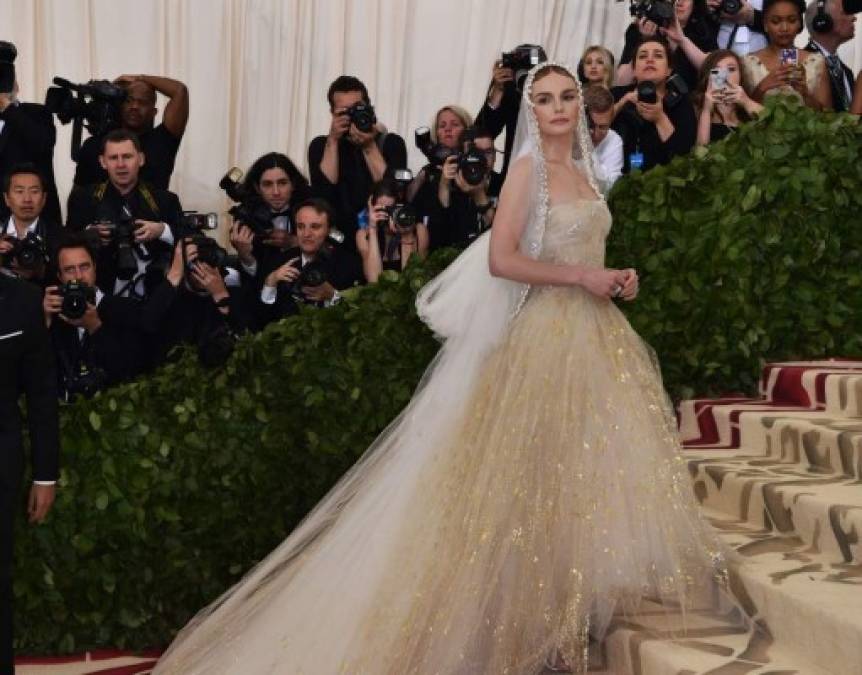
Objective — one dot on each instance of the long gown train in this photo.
(555, 497)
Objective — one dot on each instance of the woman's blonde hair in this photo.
(609, 64)
(459, 112)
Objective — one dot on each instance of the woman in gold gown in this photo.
(531, 489)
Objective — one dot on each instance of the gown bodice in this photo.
(575, 233)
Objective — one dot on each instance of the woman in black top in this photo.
(653, 133)
(722, 110)
(380, 242)
(692, 35)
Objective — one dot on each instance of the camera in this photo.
(192, 220)
(95, 105)
(362, 116)
(521, 59)
(28, 253)
(209, 252)
(729, 7)
(249, 208)
(660, 12)
(471, 163)
(84, 382)
(8, 54)
(312, 275)
(435, 153)
(123, 238)
(852, 6)
(403, 215)
(76, 296)
(647, 92)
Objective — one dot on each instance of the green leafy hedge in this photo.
(748, 250)
(174, 485)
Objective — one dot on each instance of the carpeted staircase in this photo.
(780, 477)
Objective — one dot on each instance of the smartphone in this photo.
(788, 57)
(718, 78)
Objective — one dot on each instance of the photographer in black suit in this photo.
(96, 340)
(830, 27)
(135, 222)
(28, 240)
(314, 271)
(26, 366)
(27, 134)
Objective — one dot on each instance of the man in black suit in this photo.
(314, 272)
(840, 28)
(104, 345)
(27, 134)
(26, 365)
(28, 239)
(126, 200)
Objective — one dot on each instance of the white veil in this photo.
(465, 300)
(318, 583)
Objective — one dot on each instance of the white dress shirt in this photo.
(608, 156)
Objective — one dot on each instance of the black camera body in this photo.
(729, 7)
(209, 252)
(435, 153)
(76, 296)
(660, 12)
(521, 59)
(403, 214)
(8, 54)
(312, 275)
(28, 253)
(362, 116)
(472, 165)
(96, 105)
(249, 208)
(123, 241)
(647, 92)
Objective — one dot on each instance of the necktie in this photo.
(836, 73)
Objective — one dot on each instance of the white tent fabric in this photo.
(258, 70)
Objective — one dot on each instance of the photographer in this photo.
(655, 121)
(95, 337)
(159, 143)
(135, 222)
(28, 241)
(389, 237)
(460, 202)
(27, 135)
(500, 109)
(691, 35)
(607, 144)
(194, 306)
(315, 272)
(356, 153)
(275, 186)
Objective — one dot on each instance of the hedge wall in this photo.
(174, 485)
(748, 250)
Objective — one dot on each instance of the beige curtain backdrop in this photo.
(258, 70)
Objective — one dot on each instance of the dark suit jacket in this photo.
(29, 136)
(834, 84)
(505, 116)
(26, 365)
(101, 201)
(116, 348)
(50, 233)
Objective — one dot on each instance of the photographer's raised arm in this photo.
(176, 114)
